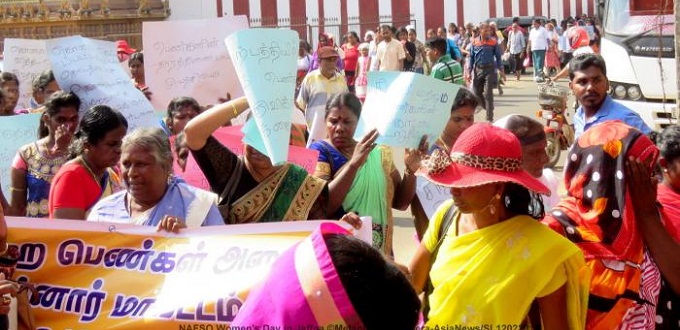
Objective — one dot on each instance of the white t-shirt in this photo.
(304, 62)
(538, 38)
(389, 55)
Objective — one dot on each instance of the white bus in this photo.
(638, 47)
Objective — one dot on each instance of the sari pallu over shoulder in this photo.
(511, 263)
(371, 194)
(286, 195)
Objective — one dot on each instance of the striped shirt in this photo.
(448, 69)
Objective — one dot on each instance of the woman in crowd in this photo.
(44, 85)
(154, 197)
(668, 238)
(83, 181)
(180, 111)
(36, 164)
(604, 217)
(362, 176)
(420, 63)
(330, 280)
(462, 117)
(136, 63)
(351, 50)
(532, 138)
(552, 56)
(409, 48)
(251, 189)
(9, 83)
(326, 39)
(303, 63)
(485, 250)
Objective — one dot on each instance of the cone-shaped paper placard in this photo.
(266, 63)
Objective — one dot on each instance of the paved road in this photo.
(519, 97)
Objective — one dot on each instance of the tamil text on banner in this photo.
(231, 137)
(90, 69)
(265, 61)
(26, 58)
(188, 58)
(404, 106)
(105, 276)
(15, 131)
(431, 196)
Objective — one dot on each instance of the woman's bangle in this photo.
(407, 171)
(233, 107)
(16, 189)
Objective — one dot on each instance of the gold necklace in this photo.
(89, 170)
(443, 144)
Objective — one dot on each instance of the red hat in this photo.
(123, 47)
(327, 52)
(482, 154)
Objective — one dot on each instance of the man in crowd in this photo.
(588, 81)
(536, 47)
(317, 87)
(443, 66)
(451, 46)
(485, 64)
(391, 53)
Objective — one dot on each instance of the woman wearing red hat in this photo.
(487, 256)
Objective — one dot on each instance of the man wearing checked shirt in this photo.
(485, 64)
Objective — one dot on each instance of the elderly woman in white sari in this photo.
(153, 196)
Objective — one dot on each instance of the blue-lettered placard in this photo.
(265, 61)
(15, 131)
(404, 106)
(90, 69)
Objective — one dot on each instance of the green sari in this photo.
(371, 194)
(286, 195)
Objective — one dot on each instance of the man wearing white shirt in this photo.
(391, 52)
(536, 47)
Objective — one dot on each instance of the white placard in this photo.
(188, 58)
(90, 68)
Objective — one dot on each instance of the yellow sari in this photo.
(492, 275)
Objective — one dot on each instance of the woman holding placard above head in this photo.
(36, 163)
(83, 181)
(362, 176)
(251, 188)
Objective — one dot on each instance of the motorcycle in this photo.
(558, 131)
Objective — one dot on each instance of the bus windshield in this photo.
(632, 17)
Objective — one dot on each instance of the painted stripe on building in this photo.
(361, 15)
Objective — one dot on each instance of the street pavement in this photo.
(519, 97)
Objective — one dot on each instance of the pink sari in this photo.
(310, 295)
